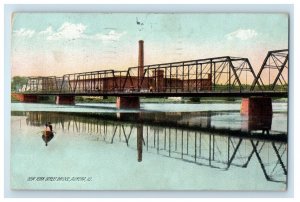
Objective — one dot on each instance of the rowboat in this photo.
(47, 133)
(47, 136)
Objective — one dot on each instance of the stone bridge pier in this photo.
(128, 102)
(65, 100)
(257, 106)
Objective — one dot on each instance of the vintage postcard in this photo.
(149, 101)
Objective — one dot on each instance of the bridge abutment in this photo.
(257, 106)
(25, 97)
(65, 100)
(130, 102)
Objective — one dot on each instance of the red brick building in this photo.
(157, 83)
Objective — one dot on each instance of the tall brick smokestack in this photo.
(141, 62)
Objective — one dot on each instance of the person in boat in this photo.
(48, 127)
(48, 133)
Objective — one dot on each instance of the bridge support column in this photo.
(65, 100)
(25, 97)
(128, 102)
(257, 106)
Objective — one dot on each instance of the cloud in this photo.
(47, 31)
(69, 31)
(24, 33)
(110, 36)
(66, 31)
(242, 34)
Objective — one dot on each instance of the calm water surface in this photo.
(160, 147)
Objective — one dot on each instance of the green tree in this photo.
(17, 82)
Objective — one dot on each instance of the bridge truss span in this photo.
(273, 74)
(219, 74)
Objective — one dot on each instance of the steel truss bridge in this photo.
(218, 76)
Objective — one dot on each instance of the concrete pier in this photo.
(128, 102)
(257, 106)
(65, 100)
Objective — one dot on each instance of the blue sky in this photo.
(59, 43)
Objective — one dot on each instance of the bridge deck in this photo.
(282, 94)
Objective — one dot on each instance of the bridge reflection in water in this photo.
(178, 136)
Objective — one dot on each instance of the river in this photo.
(159, 147)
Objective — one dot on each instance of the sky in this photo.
(53, 44)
